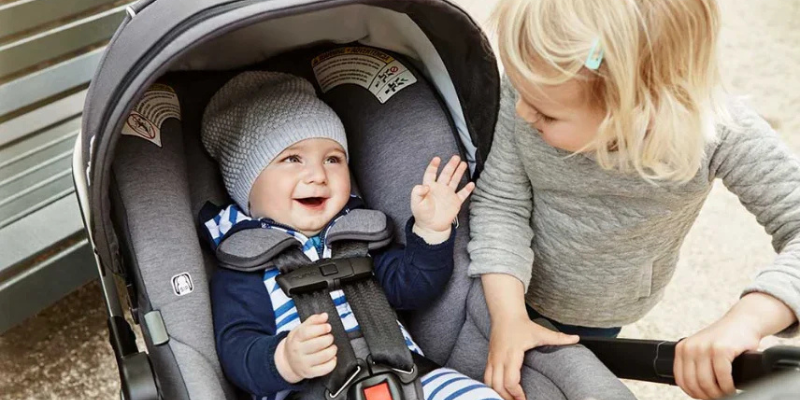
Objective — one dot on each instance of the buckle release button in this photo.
(328, 270)
(378, 392)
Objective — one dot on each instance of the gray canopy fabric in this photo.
(157, 34)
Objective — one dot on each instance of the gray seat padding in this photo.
(159, 192)
(154, 217)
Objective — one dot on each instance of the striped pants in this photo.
(448, 384)
(439, 384)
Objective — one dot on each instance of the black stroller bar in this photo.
(651, 360)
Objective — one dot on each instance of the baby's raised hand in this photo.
(308, 351)
(435, 203)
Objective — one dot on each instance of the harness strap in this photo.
(320, 301)
(375, 316)
(317, 302)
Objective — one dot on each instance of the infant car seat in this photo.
(410, 79)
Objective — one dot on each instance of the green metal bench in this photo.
(49, 50)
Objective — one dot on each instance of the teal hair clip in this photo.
(595, 57)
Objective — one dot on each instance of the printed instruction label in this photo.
(158, 104)
(369, 68)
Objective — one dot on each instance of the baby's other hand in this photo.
(308, 351)
(435, 203)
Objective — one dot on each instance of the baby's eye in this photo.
(333, 160)
(292, 159)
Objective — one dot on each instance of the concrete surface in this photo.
(62, 353)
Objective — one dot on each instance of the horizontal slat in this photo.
(35, 171)
(48, 82)
(42, 284)
(28, 161)
(24, 15)
(39, 231)
(39, 142)
(35, 197)
(41, 118)
(64, 40)
(43, 169)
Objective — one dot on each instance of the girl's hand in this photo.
(308, 351)
(435, 202)
(703, 361)
(508, 342)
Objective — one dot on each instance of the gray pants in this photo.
(548, 373)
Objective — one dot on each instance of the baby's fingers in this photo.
(323, 369)
(317, 344)
(466, 191)
(420, 191)
(314, 326)
(321, 357)
(447, 172)
(430, 172)
(456, 179)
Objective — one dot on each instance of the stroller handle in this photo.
(652, 360)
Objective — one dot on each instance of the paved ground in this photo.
(62, 352)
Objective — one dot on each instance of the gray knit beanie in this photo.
(254, 117)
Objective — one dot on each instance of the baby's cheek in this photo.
(270, 207)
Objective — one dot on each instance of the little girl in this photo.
(611, 132)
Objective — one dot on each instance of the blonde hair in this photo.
(659, 80)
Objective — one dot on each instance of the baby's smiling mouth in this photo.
(313, 202)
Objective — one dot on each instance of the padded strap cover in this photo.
(253, 249)
(249, 250)
(362, 225)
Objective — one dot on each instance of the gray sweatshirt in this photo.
(597, 247)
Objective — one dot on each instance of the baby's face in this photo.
(304, 187)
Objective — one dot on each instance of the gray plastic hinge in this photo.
(156, 328)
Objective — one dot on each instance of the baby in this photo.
(283, 156)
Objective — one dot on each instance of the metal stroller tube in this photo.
(652, 360)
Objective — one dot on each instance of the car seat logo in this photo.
(141, 126)
(182, 284)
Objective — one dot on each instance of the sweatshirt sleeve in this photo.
(412, 277)
(762, 171)
(501, 207)
(244, 329)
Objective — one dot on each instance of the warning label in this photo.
(369, 68)
(157, 105)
